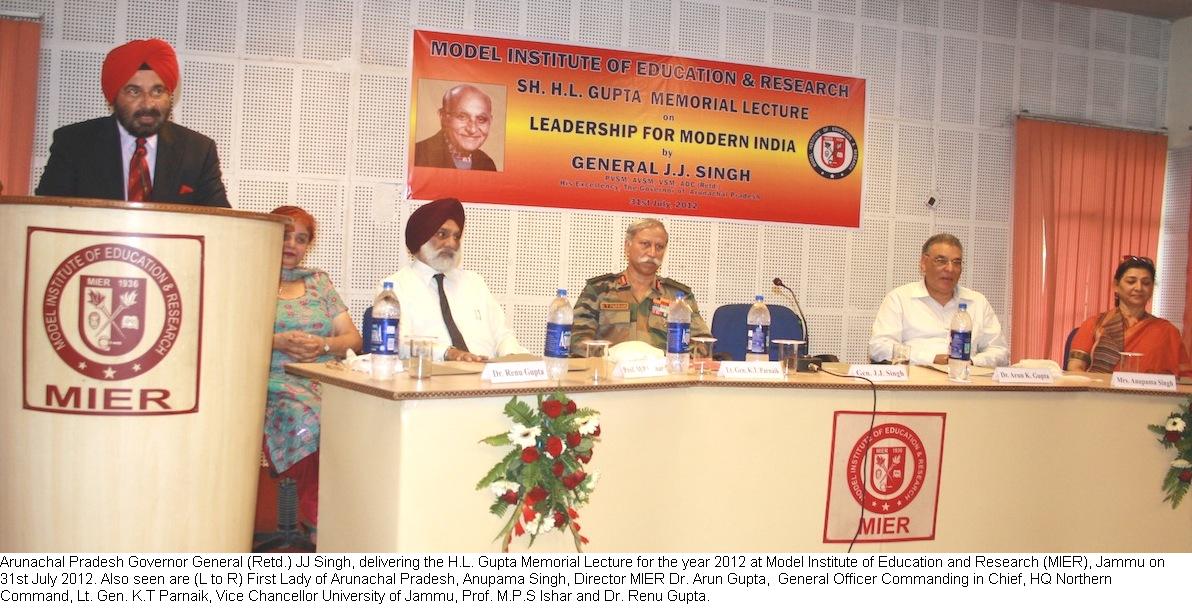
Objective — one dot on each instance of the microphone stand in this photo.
(802, 318)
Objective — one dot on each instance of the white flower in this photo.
(1181, 463)
(591, 481)
(1175, 424)
(500, 487)
(588, 425)
(539, 525)
(523, 436)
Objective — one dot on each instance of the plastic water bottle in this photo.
(558, 336)
(382, 334)
(757, 345)
(960, 345)
(678, 335)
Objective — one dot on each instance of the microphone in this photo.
(799, 308)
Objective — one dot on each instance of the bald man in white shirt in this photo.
(919, 313)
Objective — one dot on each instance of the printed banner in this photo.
(112, 322)
(893, 471)
(529, 123)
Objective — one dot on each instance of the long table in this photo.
(701, 464)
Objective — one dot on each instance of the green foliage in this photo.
(1175, 488)
(498, 471)
(520, 412)
(501, 439)
(531, 476)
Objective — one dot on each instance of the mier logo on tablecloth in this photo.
(112, 322)
(891, 471)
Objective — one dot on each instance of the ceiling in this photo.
(1166, 9)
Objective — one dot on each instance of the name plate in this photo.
(1139, 380)
(879, 373)
(641, 368)
(751, 370)
(514, 372)
(1037, 376)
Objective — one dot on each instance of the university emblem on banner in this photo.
(832, 152)
(111, 313)
(890, 475)
(112, 322)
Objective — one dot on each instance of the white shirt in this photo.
(128, 147)
(479, 317)
(909, 315)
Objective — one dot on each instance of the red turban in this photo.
(426, 220)
(123, 62)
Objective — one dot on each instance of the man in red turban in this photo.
(136, 154)
(442, 301)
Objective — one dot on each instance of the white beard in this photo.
(438, 260)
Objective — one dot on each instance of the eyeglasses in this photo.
(135, 92)
(941, 262)
(463, 118)
(1138, 258)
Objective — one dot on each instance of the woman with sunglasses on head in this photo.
(1129, 328)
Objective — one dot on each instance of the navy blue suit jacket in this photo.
(85, 162)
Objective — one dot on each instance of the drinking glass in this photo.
(597, 354)
(788, 354)
(1131, 362)
(421, 352)
(701, 358)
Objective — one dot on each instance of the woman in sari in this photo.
(1129, 328)
(312, 325)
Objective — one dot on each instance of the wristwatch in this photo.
(326, 346)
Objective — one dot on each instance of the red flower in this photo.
(509, 497)
(585, 457)
(597, 432)
(1186, 475)
(1172, 436)
(528, 514)
(536, 494)
(560, 520)
(557, 468)
(573, 439)
(517, 528)
(570, 407)
(554, 446)
(552, 408)
(575, 526)
(529, 455)
(571, 512)
(583, 539)
(572, 480)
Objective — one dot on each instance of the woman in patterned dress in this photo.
(312, 325)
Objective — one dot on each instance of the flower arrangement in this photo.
(1176, 432)
(542, 477)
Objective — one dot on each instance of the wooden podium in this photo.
(139, 339)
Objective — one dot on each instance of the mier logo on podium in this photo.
(892, 472)
(112, 322)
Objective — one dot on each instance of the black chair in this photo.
(367, 323)
(1068, 347)
(729, 324)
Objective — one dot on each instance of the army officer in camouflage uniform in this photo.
(632, 304)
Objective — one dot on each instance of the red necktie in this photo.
(139, 182)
